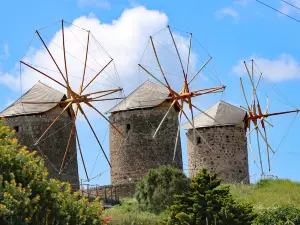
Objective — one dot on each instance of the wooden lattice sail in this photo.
(75, 98)
(256, 119)
(185, 95)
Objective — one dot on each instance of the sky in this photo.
(229, 31)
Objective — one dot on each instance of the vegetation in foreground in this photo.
(27, 196)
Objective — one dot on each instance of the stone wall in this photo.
(229, 158)
(134, 154)
(52, 147)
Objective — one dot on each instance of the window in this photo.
(127, 127)
(16, 128)
(198, 140)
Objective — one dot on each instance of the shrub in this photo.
(206, 202)
(27, 196)
(279, 215)
(155, 192)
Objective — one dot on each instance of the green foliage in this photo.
(27, 196)
(266, 193)
(129, 213)
(279, 215)
(155, 192)
(206, 202)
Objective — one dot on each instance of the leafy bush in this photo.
(27, 196)
(155, 192)
(279, 215)
(206, 202)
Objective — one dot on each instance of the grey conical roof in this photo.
(147, 95)
(223, 113)
(38, 93)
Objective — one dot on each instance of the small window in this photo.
(128, 127)
(16, 129)
(198, 140)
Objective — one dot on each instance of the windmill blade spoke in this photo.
(105, 99)
(90, 125)
(177, 135)
(81, 155)
(254, 128)
(85, 61)
(271, 125)
(38, 103)
(90, 105)
(204, 113)
(200, 70)
(173, 40)
(265, 140)
(51, 56)
(97, 75)
(259, 152)
(251, 149)
(243, 90)
(54, 121)
(152, 76)
(268, 153)
(157, 60)
(163, 119)
(189, 55)
(65, 58)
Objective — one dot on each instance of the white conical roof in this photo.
(147, 95)
(38, 93)
(223, 113)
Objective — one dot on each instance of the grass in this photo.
(128, 213)
(268, 193)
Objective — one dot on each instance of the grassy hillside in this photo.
(268, 193)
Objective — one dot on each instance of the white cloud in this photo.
(242, 2)
(286, 8)
(104, 4)
(124, 39)
(5, 53)
(220, 14)
(285, 67)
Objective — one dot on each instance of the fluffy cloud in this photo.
(5, 52)
(285, 67)
(94, 3)
(220, 14)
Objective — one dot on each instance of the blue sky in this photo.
(231, 31)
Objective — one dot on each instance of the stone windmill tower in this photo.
(31, 120)
(137, 117)
(227, 137)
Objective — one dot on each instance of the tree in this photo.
(155, 191)
(206, 202)
(28, 196)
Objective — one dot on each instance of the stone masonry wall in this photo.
(52, 148)
(132, 156)
(230, 157)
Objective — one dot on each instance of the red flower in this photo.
(106, 219)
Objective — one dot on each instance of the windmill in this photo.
(76, 100)
(185, 96)
(256, 119)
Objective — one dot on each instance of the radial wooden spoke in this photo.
(105, 99)
(52, 57)
(193, 77)
(100, 96)
(73, 93)
(85, 61)
(34, 103)
(242, 86)
(254, 128)
(81, 155)
(265, 140)
(97, 75)
(90, 105)
(90, 125)
(189, 55)
(251, 149)
(161, 70)
(259, 152)
(173, 40)
(204, 113)
(268, 153)
(68, 144)
(54, 121)
(65, 58)
(111, 91)
(152, 75)
(163, 119)
(177, 135)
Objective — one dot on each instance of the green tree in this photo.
(155, 191)
(207, 202)
(27, 196)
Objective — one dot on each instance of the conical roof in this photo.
(38, 93)
(147, 95)
(223, 113)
